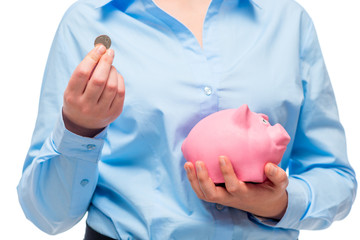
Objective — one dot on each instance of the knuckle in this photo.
(192, 179)
(112, 87)
(286, 183)
(121, 92)
(201, 178)
(211, 197)
(93, 56)
(283, 178)
(81, 72)
(231, 188)
(120, 77)
(98, 82)
(68, 99)
(107, 58)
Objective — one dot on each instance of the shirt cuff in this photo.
(78, 147)
(299, 200)
(298, 203)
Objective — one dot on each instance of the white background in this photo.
(26, 32)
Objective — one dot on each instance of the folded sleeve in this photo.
(322, 184)
(60, 171)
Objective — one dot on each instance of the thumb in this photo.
(276, 175)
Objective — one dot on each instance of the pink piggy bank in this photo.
(245, 137)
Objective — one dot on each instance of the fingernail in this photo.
(222, 161)
(110, 52)
(272, 170)
(187, 169)
(101, 49)
(198, 167)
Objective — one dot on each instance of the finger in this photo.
(83, 71)
(99, 78)
(276, 175)
(232, 183)
(118, 102)
(120, 94)
(110, 90)
(190, 172)
(207, 186)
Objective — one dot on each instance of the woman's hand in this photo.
(268, 199)
(95, 94)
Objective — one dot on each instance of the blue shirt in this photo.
(130, 178)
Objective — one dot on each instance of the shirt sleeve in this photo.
(60, 171)
(322, 184)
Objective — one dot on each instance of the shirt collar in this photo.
(101, 3)
(256, 3)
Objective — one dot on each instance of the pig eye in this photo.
(264, 121)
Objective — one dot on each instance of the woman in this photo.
(117, 155)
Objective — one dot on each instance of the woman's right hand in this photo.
(95, 94)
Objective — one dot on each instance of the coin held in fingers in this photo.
(104, 40)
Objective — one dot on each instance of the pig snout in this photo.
(279, 135)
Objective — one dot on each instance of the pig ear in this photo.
(264, 116)
(241, 115)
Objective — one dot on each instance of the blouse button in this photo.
(91, 147)
(208, 90)
(84, 182)
(219, 207)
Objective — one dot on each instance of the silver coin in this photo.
(104, 40)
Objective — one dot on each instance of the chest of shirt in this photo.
(170, 79)
(165, 73)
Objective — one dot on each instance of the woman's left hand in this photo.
(268, 199)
